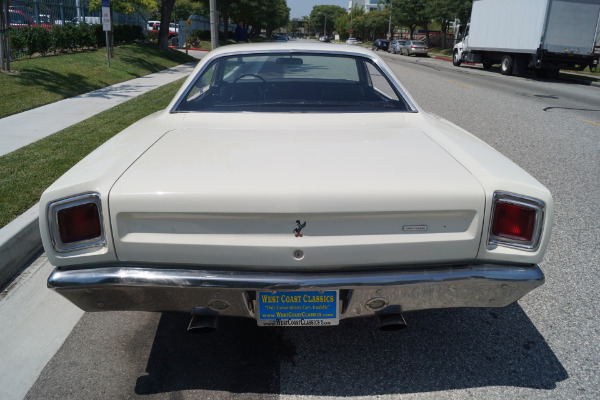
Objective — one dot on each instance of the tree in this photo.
(376, 23)
(166, 9)
(412, 13)
(258, 14)
(323, 18)
(342, 26)
(297, 25)
(270, 15)
(184, 8)
(447, 11)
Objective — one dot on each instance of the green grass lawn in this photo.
(27, 172)
(44, 80)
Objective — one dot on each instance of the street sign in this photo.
(105, 3)
(105, 18)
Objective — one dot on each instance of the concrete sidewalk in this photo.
(20, 239)
(27, 127)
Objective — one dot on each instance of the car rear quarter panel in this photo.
(495, 172)
(97, 173)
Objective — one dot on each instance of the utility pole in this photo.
(5, 36)
(214, 24)
(351, 7)
(390, 36)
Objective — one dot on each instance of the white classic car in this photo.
(296, 184)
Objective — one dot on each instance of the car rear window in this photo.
(292, 82)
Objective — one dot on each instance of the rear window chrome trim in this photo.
(400, 91)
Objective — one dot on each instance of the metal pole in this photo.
(37, 13)
(7, 36)
(107, 50)
(390, 37)
(214, 27)
(78, 8)
(2, 36)
(325, 26)
(351, 9)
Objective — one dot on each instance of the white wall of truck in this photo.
(534, 34)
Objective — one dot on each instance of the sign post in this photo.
(187, 23)
(106, 26)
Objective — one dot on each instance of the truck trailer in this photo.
(540, 35)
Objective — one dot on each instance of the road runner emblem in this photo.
(299, 227)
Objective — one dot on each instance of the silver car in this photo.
(416, 47)
(396, 46)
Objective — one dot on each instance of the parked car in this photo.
(150, 25)
(414, 47)
(380, 44)
(173, 29)
(352, 41)
(324, 39)
(396, 46)
(87, 20)
(295, 184)
(279, 38)
(20, 19)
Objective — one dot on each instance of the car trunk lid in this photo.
(298, 193)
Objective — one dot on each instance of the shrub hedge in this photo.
(36, 39)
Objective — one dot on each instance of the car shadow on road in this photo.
(440, 350)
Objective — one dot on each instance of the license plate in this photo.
(298, 308)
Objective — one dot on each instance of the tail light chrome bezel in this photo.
(538, 206)
(53, 227)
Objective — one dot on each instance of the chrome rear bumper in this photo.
(151, 289)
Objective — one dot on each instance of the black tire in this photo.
(506, 65)
(487, 64)
(455, 60)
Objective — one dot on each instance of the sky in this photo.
(300, 8)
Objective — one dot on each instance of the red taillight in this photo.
(514, 222)
(412, 47)
(426, 48)
(79, 223)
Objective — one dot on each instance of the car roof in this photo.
(291, 46)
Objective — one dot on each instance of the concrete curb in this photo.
(571, 77)
(450, 59)
(20, 241)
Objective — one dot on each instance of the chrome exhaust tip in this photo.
(203, 321)
(391, 319)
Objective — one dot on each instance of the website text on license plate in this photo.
(298, 308)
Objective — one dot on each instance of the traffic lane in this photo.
(457, 84)
(563, 153)
(150, 355)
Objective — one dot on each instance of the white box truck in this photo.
(540, 35)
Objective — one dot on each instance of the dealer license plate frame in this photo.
(298, 308)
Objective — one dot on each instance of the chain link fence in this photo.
(51, 12)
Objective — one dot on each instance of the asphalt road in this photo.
(545, 346)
